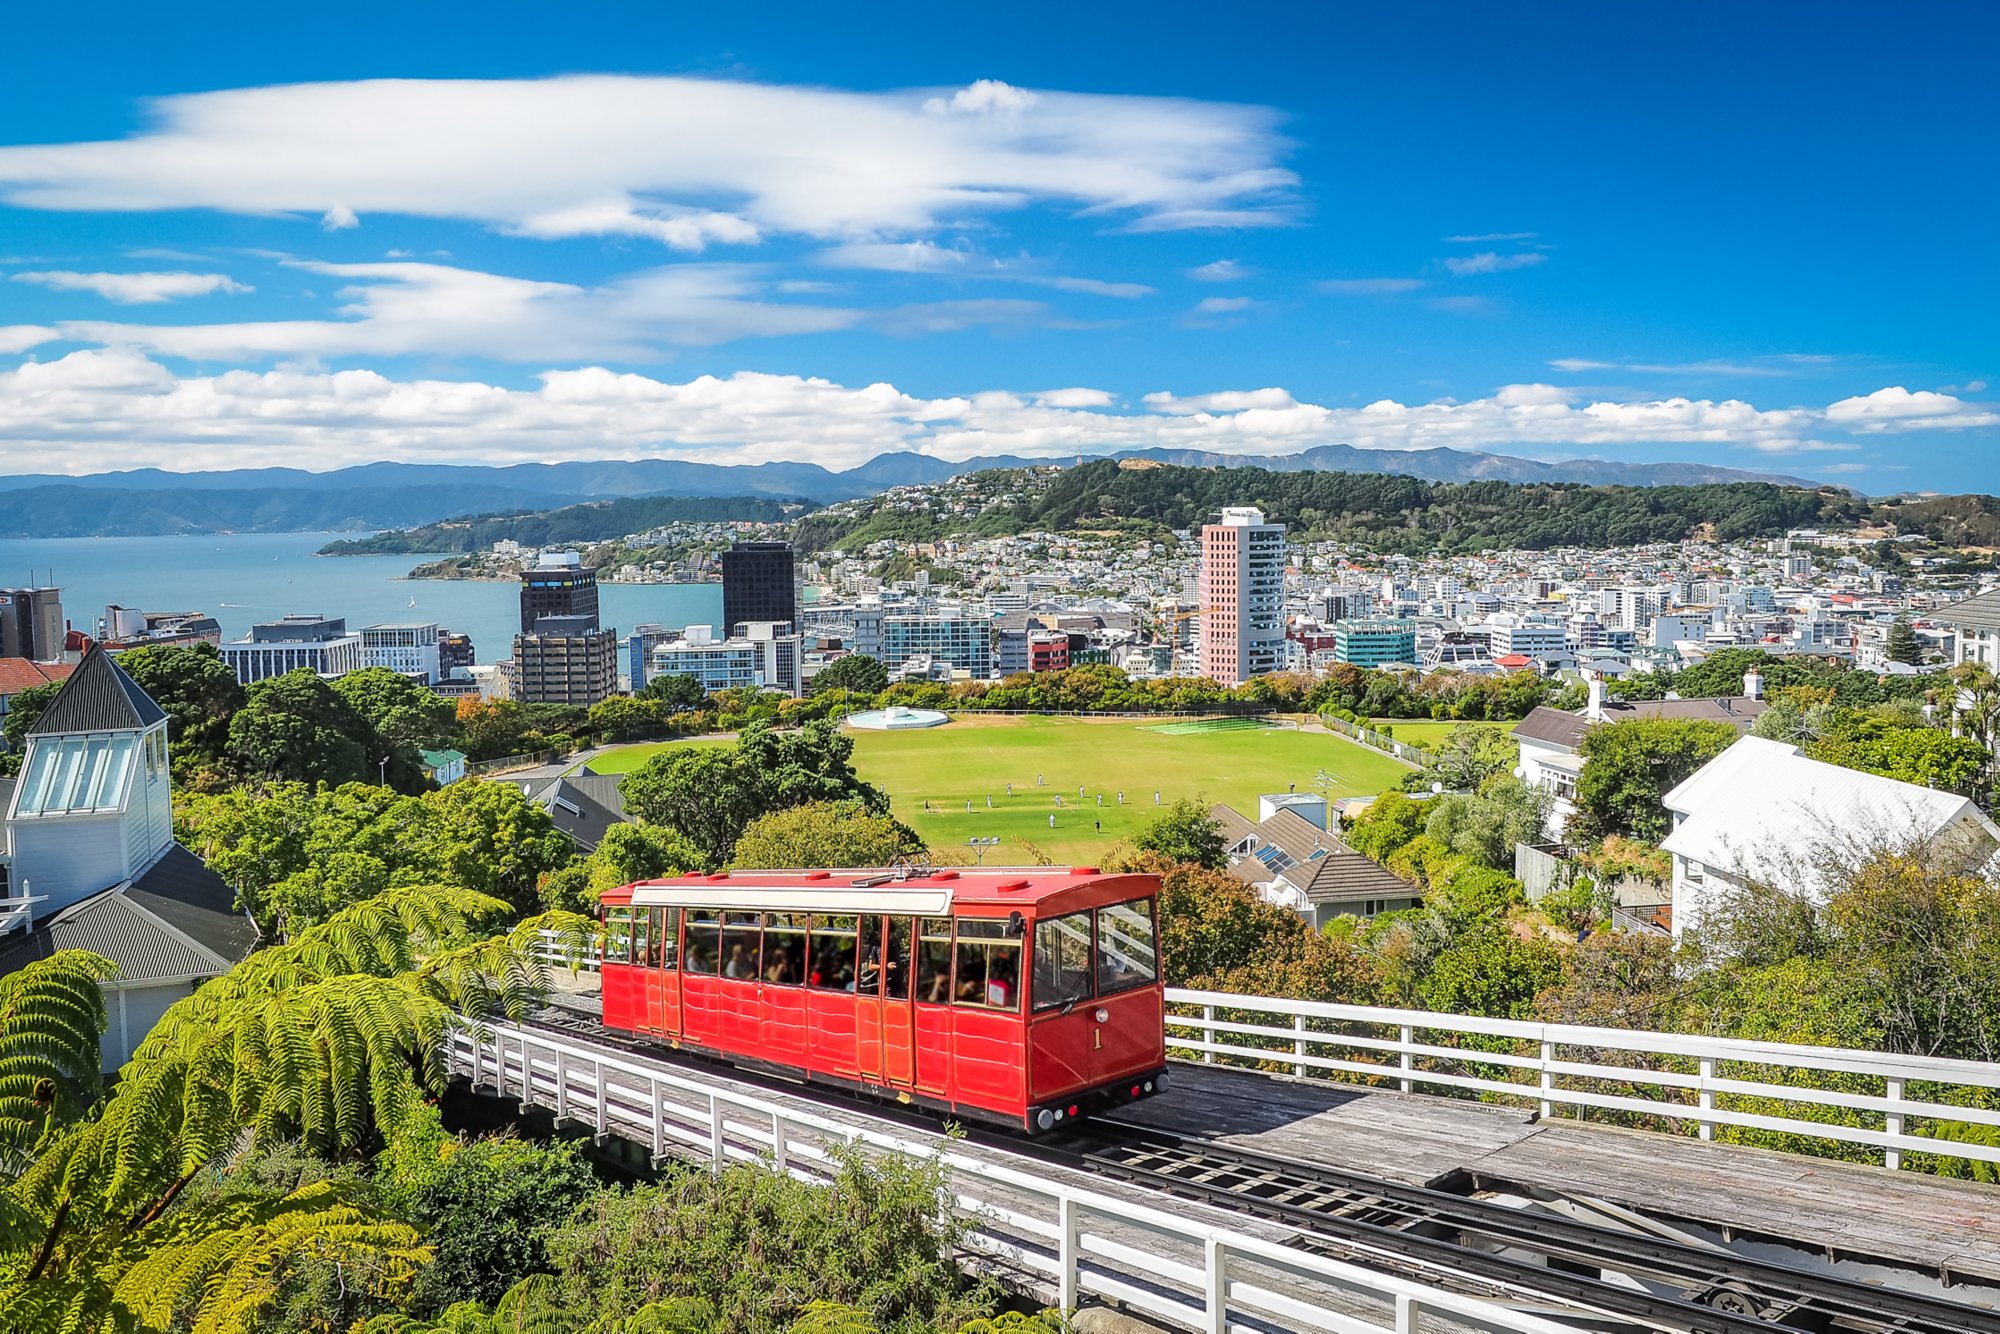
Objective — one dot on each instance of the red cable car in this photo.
(1026, 996)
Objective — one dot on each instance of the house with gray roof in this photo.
(1550, 739)
(88, 858)
(1976, 621)
(1296, 863)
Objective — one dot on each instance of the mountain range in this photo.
(390, 495)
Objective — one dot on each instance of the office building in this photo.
(1048, 651)
(565, 660)
(1242, 596)
(559, 585)
(320, 644)
(858, 625)
(639, 646)
(1374, 643)
(766, 657)
(455, 654)
(32, 624)
(964, 641)
(408, 650)
(759, 583)
(125, 628)
(1528, 637)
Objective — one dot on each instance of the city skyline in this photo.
(650, 235)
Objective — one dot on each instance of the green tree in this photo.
(710, 793)
(196, 688)
(675, 693)
(1485, 825)
(825, 833)
(623, 717)
(1184, 832)
(1629, 766)
(24, 711)
(490, 838)
(297, 727)
(858, 672)
(1469, 755)
(487, 1206)
(1386, 824)
(402, 711)
(1921, 754)
(1903, 646)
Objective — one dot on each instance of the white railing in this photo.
(1682, 1079)
(1070, 1243)
(1694, 1080)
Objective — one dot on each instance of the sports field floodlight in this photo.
(979, 847)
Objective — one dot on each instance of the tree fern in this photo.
(215, 1268)
(51, 1022)
(332, 1038)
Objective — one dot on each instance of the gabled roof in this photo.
(1560, 727)
(584, 805)
(98, 697)
(18, 674)
(175, 920)
(1764, 812)
(1316, 863)
(1979, 612)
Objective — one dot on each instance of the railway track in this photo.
(1559, 1267)
(1651, 1281)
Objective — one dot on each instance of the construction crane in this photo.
(1174, 636)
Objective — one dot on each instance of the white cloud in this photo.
(16, 338)
(134, 289)
(1790, 363)
(686, 162)
(1369, 286)
(397, 308)
(115, 407)
(956, 316)
(1899, 409)
(1488, 238)
(1221, 271)
(339, 218)
(1486, 261)
(928, 257)
(1095, 287)
(1218, 305)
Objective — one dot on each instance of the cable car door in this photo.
(884, 1016)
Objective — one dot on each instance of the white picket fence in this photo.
(1694, 1079)
(1079, 1243)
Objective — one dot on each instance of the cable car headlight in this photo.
(1103, 1016)
(1045, 1119)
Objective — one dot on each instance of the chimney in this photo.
(1594, 711)
(1753, 684)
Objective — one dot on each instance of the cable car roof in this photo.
(885, 890)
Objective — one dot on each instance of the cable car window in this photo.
(785, 948)
(832, 953)
(896, 985)
(934, 962)
(869, 983)
(740, 932)
(1062, 960)
(704, 941)
(987, 965)
(667, 942)
(618, 935)
(641, 920)
(1127, 950)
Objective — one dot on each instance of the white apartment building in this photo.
(317, 643)
(766, 658)
(407, 648)
(964, 640)
(1527, 636)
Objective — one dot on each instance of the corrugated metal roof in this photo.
(1979, 612)
(1560, 727)
(175, 920)
(98, 697)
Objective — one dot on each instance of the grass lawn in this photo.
(1424, 732)
(975, 758)
(627, 758)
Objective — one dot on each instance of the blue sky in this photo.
(1760, 236)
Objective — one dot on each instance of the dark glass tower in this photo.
(558, 590)
(758, 584)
